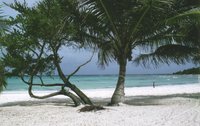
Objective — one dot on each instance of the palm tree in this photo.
(118, 27)
(185, 46)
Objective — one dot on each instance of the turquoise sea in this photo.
(108, 81)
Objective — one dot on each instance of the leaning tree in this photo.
(3, 27)
(32, 44)
(118, 27)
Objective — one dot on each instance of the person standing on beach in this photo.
(154, 84)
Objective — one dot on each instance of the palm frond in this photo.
(196, 59)
(146, 24)
(105, 54)
(167, 54)
(193, 14)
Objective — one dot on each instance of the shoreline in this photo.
(14, 96)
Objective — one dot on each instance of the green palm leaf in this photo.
(178, 54)
(3, 25)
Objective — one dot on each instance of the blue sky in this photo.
(73, 58)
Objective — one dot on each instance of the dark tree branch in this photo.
(44, 96)
(74, 98)
(34, 51)
(34, 84)
(22, 78)
(78, 68)
(48, 85)
(40, 79)
(56, 62)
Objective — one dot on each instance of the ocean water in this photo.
(107, 81)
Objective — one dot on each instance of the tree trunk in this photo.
(74, 98)
(81, 95)
(119, 95)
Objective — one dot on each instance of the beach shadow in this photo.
(101, 101)
(141, 101)
(54, 101)
(194, 95)
(51, 101)
(131, 100)
(156, 100)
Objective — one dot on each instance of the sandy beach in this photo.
(89, 53)
(144, 106)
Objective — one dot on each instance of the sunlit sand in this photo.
(144, 106)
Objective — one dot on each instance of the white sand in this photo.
(17, 109)
(107, 93)
(143, 91)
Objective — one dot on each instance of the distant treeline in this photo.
(189, 71)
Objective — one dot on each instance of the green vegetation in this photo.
(167, 30)
(189, 71)
(2, 77)
(32, 44)
(3, 27)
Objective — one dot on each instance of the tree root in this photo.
(91, 108)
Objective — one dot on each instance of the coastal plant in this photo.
(185, 45)
(2, 77)
(189, 71)
(33, 42)
(121, 27)
(3, 28)
(3, 25)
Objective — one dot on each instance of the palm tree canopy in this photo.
(120, 26)
(185, 45)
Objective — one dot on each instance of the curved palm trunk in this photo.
(76, 90)
(81, 95)
(74, 98)
(119, 94)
